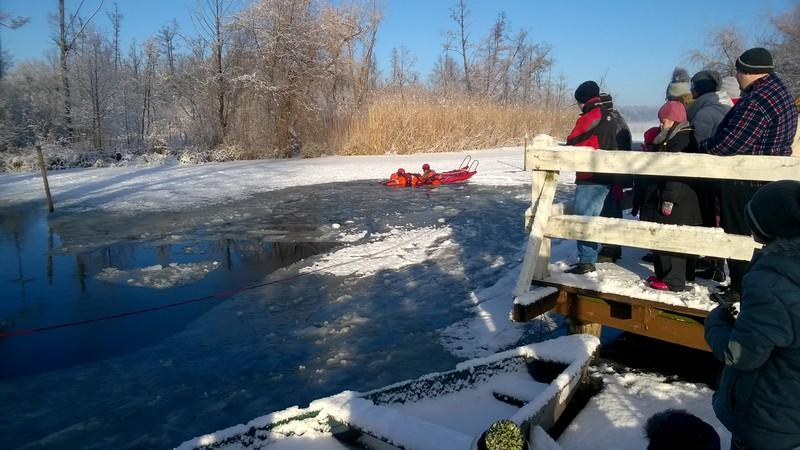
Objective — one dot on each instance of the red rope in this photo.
(217, 296)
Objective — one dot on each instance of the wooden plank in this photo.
(546, 190)
(524, 313)
(684, 310)
(669, 238)
(584, 159)
(641, 319)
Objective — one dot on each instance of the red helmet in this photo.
(401, 171)
(425, 166)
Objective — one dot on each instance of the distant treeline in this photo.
(283, 78)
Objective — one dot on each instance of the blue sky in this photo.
(635, 44)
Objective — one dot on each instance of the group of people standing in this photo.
(758, 398)
(750, 114)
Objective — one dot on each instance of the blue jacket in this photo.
(758, 398)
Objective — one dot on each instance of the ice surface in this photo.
(370, 321)
(158, 277)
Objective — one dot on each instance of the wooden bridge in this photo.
(587, 308)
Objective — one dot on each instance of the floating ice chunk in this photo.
(159, 277)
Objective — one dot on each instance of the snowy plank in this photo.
(669, 238)
(584, 159)
(537, 253)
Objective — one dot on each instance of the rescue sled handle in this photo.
(544, 154)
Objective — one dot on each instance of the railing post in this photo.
(40, 156)
(537, 254)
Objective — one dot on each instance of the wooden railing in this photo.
(545, 160)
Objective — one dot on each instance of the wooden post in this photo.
(44, 177)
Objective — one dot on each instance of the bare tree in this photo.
(211, 18)
(7, 21)
(167, 40)
(786, 46)
(116, 19)
(460, 15)
(723, 46)
(444, 76)
(402, 66)
(12, 22)
(66, 41)
(369, 33)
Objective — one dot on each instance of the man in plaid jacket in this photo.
(763, 122)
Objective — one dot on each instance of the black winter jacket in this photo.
(650, 192)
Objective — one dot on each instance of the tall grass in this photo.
(423, 122)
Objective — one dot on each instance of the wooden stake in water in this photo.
(44, 177)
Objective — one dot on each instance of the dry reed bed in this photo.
(413, 124)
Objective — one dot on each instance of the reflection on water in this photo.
(153, 380)
(72, 293)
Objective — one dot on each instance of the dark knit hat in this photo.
(774, 211)
(706, 81)
(587, 90)
(676, 428)
(755, 60)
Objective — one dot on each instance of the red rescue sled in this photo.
(466, 170)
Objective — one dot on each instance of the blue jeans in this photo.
(589, 199)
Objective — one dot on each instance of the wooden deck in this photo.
(677, 324)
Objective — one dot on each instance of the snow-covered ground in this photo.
(378, 257)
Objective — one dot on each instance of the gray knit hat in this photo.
(679, 84)
(774, 211)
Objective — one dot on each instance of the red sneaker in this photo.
(658, 284)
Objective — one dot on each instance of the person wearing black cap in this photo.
(758, 398)
(705, 113)
(597, 129)
(763, 122)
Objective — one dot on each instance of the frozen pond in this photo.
(349, 287)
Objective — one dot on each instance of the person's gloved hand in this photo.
(666, 208)
(734, 309)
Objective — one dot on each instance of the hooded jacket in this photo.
(599, 127)
(758, 398)
(706, 113)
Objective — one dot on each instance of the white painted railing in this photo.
(546, 159)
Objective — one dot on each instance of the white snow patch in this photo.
(400, 249)
(159, 277)
(175, 187)
(625, 404)
(490, 329)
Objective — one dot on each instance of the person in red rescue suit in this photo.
(400, 178)
(595, 128)
(429, 176)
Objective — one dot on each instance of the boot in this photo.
(581, 268)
